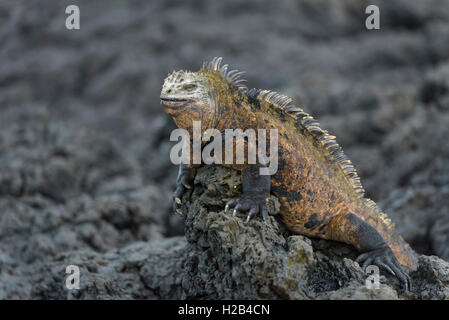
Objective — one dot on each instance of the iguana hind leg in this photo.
(255, 191)
(353, 230)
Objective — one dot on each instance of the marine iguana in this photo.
(318, 188)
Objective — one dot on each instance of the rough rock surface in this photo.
(221, 257)
(85, 174)
(63, 189)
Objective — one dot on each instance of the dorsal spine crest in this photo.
(327, 141)
(234, 76)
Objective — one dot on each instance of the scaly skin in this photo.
(319, 191)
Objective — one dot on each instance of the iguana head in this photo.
(195, 96)
(184, 92)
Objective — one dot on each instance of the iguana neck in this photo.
(232, 110)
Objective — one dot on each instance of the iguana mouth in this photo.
(173, 102)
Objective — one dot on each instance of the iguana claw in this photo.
(384, 258)
(252, 203)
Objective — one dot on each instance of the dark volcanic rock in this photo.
(85, 174)
(223, 258)
(226, 258)
(63, 189)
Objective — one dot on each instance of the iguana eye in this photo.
(189, 87)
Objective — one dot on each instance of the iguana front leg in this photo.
(183, 179)
(255, 191)
(353, 230)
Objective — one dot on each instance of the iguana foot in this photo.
(384, 258)
(256, 189)
(182, 183)
(255, 204)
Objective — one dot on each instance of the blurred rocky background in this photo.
(85, 175)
